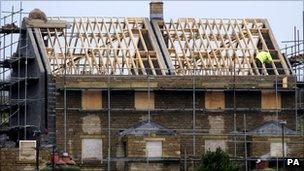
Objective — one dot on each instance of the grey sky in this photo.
(282, 15)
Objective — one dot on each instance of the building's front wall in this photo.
(10, 160)
(173, 109)
(136, 146)
(271, 146)
(152, 166)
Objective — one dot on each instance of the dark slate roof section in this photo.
(273, 128)
(146, 128)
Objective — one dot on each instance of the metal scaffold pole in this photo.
(19, 56)
(65, 93)
(2, 93)
(234, 105)
(277, 111)
(149, 98)
(199, 133)
(194, 113)
(245, 141)
(25, 85)
(2, 100)
(302, 25)
(109, 123)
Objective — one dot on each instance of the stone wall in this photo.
(210, 124)
(154, 166)
(136, 145)
(261, 145)
(159, 82)
(178, 99)
(9, 160)
(95, 124)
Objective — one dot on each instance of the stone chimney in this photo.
(156, 10)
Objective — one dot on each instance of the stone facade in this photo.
(261, 145)
(9, 160)
(136, 145)
(172, 109)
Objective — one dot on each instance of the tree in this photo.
(216, 161)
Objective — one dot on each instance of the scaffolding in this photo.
(14, 72)
(237, 135)
(88, 38)
(89, 49)
(293, 50)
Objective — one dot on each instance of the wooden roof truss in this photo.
(103, 46)
(185, 46)
(220, 46)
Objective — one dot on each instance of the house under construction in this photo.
(133, 93)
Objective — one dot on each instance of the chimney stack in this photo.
(156, 10)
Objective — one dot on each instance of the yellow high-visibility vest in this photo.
(264, 57)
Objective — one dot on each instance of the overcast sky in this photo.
(282, 15)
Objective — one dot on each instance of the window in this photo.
(91, 149)
(121, 99)
(276, 149)
(173, 99)
(154, 149)
(270, 100)
(27, 150)
(243, 99)
(142, 100)
(91, 100)
(215, 100)
(212, 145)
(217, 124)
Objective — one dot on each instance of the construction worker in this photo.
(263, 58)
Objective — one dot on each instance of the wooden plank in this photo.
(270, 101)
(141, 64)
(255, 47)
(91, 100)
(248, 49)
(215, 100)
(230, 42)
(204, 51)
(219, 69)
(209, 44)
(281, 57)
(143, 102)
(180, 63)
(101, 45)
(199, 53)
(160, 57)
(124, 55)
(151, 66)
(185, 58)
(223, 44)
(266, 49)
(105, 52)
(234, 45)
(36, 23)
